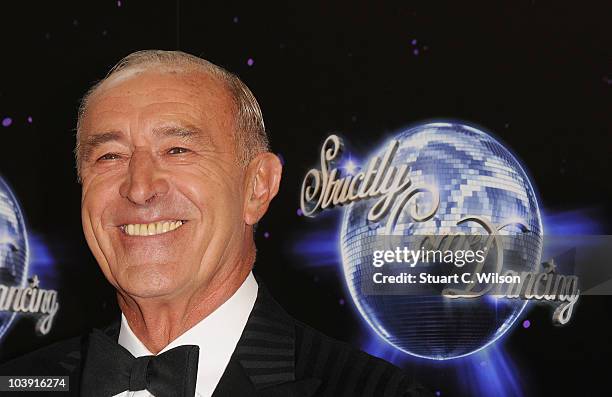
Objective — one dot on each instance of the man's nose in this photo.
(144, 179)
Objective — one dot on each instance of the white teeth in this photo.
(151, 229)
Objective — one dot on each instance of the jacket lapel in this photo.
(299, 388)
(234, 382)
(263, 363)
(112, 331)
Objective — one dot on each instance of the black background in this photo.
(535, 73)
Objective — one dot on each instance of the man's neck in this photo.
(157, 322)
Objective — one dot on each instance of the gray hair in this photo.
(250, 136)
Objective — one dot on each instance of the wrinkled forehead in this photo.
(192, 92)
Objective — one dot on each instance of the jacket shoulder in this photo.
(345, 370)
(60, 358)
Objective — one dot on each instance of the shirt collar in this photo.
(217, 336)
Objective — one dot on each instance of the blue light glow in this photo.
(583, 221)
(42, 262)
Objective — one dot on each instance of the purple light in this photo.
(266, 234)
(341, 302)
(438, 393)
(299, 212)
(526, 324)
(414, 41)
(30, 119)
(416, 51)
(250, 62)
(118, 3)
(7, 121)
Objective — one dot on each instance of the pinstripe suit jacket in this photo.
(276, 356)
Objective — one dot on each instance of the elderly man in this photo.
(173, 159)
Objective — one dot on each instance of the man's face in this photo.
(163, 196)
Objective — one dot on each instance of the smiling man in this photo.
(173, 159)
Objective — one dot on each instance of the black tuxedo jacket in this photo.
(276, 356)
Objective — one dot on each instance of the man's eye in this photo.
(177, 150)
(109, 156)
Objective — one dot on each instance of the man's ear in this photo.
(264, 175)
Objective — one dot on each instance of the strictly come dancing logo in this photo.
(19, 294)
(441, 238)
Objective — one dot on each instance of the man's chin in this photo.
(150, 281)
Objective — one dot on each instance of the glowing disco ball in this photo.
(475, 176)
(13, 249)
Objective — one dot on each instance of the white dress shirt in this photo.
(217, 336)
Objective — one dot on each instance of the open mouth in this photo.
(151, 229)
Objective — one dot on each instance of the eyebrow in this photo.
(96, 140)
(187, 133)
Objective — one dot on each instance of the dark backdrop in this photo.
(535, 73)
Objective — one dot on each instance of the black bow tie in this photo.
(110, 369)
